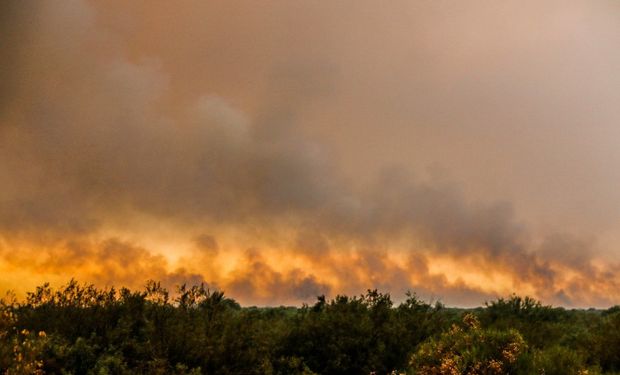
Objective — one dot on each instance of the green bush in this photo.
(79, 329)
(470, 349)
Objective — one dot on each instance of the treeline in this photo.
(84, 330)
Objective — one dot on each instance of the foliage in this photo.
(470, 349)
(80, 329)
(559, 360)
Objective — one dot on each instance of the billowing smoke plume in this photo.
(101, 151)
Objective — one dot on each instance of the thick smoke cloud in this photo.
(99, 134)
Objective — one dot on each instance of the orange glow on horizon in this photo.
(263, 275)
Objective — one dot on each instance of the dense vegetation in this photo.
(84, 330)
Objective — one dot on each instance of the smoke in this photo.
(96, 140)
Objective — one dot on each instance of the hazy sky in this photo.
(462, 150)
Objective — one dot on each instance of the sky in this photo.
(460, 150)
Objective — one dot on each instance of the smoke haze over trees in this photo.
(465, 165)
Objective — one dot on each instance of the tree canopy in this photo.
(81, 329)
